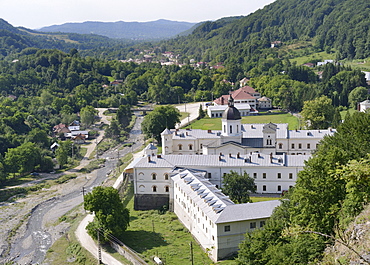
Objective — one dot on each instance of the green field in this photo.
(215, 123)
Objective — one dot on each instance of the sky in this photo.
(35, 14)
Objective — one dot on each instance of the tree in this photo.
(111, 216)
(201, 113)
(124, 115)
(88, 115)
(160, 118)
(22, 159)
(61, 156)
(357, 95)
(238, 187)
(318, 113)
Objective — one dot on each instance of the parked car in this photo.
(35, 174)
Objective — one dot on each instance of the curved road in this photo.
(37, 239)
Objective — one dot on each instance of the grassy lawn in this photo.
(263, 199)
(153, 234)
(215, 123)
(344, 112)
(183, 115)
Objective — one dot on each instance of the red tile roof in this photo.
(242, 93)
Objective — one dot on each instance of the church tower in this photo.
(166, 136)
(231, 124)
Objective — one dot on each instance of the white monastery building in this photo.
(188, 174)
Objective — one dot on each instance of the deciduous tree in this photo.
(238, 187)
(111, 216)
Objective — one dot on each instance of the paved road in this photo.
(192, 109)
(38, 237)
(87, 242)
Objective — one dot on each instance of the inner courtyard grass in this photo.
(215, 123)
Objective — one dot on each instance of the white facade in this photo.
(272, 173)
(364, 105)
(217, 110)
(212, 218)
(253, 139)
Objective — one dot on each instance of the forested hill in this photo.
(153, 30)
(340, 24)
(13, 40)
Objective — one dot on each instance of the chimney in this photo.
(149, 159)
(209, 131)
(238, 155)
(219, 158)
(176, 132)
(159, 156)
(296, 130)
(271, 158)
(230, 155)
(220, 154)
(252, 126)
(187, 133)
(259, 156)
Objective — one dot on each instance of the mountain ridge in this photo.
(158, 29)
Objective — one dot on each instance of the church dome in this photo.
(231, 113)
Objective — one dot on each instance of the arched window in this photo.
(280, 146)
(167, 189)
(154, 188)
(190, 147)
(154, 176)
(166, 176)
(279, 188)
(141, 188)
(180, 146)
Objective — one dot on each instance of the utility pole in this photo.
(96, 141)
(99, 249)
(191, 253)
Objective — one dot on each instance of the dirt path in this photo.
(35, 217)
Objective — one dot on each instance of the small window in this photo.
(154, 176)
(180, 146)
(154, 188)
(308, 146)
(263, 175)
(290, 175)
(293, 146)
(255, 175)
(227, 228)
(299, 146)
(279, 188)
(213, 237)
(190, 147)
(279, 175)
(166, 176)
(280, 146)
(231, 129)
(209, 175)
(201, 146)
(262, 223)
(167, 189)
(252, 225)
(264, 188)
